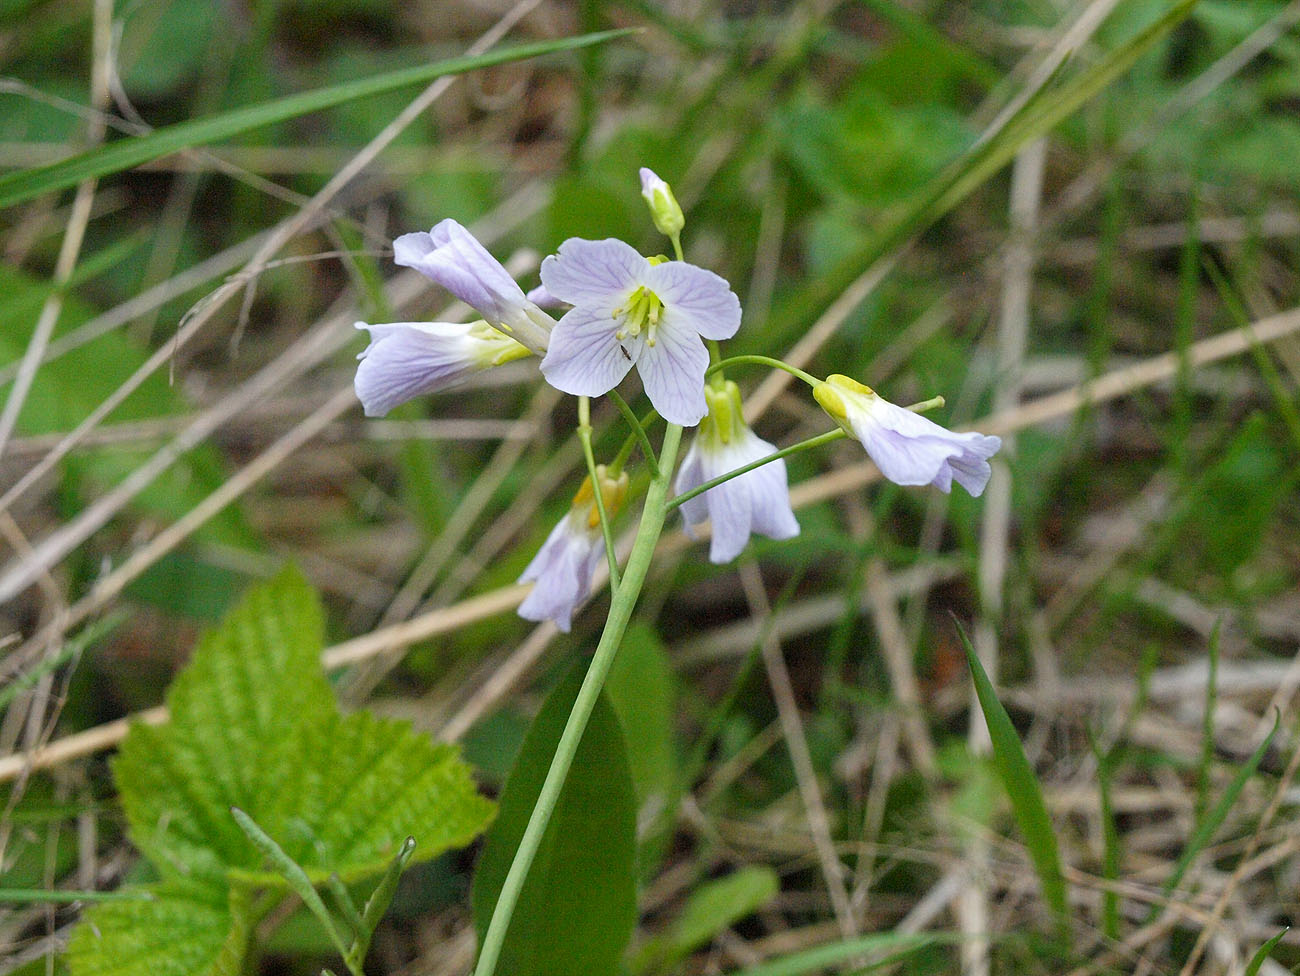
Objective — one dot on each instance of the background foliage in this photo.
(848, 167)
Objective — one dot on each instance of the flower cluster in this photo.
(622, 310)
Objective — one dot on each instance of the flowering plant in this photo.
(666, 318)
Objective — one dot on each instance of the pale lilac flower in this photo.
(561, 571)
(408, 359)
(757, 501)
(629, 310)
(451, 256)
(908, 448)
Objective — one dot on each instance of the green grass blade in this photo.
(819, 958)
(1207, 828)
(1022, 787)
(1257, 960)
(126, 153)
(1207, 727)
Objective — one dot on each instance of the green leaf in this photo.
(1022, 787)
(1257, 960)
(892, 946)
(1214, 818)
(186, 929)
(235, 714)
(254, 725)
(126, 153)
(355, 787)
(578, 906)
(711, 909)
(643, 693)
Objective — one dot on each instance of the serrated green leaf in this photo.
(187, 929)
(360, 785)
(236, 710)
(576, 911)
(254, 725)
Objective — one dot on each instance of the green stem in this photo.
(718, 379)
(631, 441)
(606, 528)
(620, 612)
(818, 441)
(764, 361)
(638, 432)
(23, 896)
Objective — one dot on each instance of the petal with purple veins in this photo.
(594, 273)
(407, 359)
(672, 371)
(585, 357)
(695, 298)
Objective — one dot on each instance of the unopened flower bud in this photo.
(664, 209)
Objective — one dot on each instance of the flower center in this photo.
(641, 313)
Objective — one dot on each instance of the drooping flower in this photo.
(408, 359)
(451, 256)
(629, 310)
(562, 569)
(664, 208)
(757, 501)
(908, 448)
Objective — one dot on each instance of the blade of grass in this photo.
(819, 958)
(1207, 828)
(1257, 960)
(1022, 787)
(1207, 727)
(126, 153)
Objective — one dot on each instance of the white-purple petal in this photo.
(600, 274)
(542, 298)
(408, 359)
(562, 571)
(672, 372)
(695, 298)
(584, 357)
(689, 475)
(452, 257)
(912, 450)
(755, 502)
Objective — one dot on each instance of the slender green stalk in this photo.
(718, 380)
(818, 441)
(606, 528)
(625, 452)
(23, 896)
(638, 432)
(620, 612)
(794, 371)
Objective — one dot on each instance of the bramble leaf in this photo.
(186, 929)
(254, 726)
